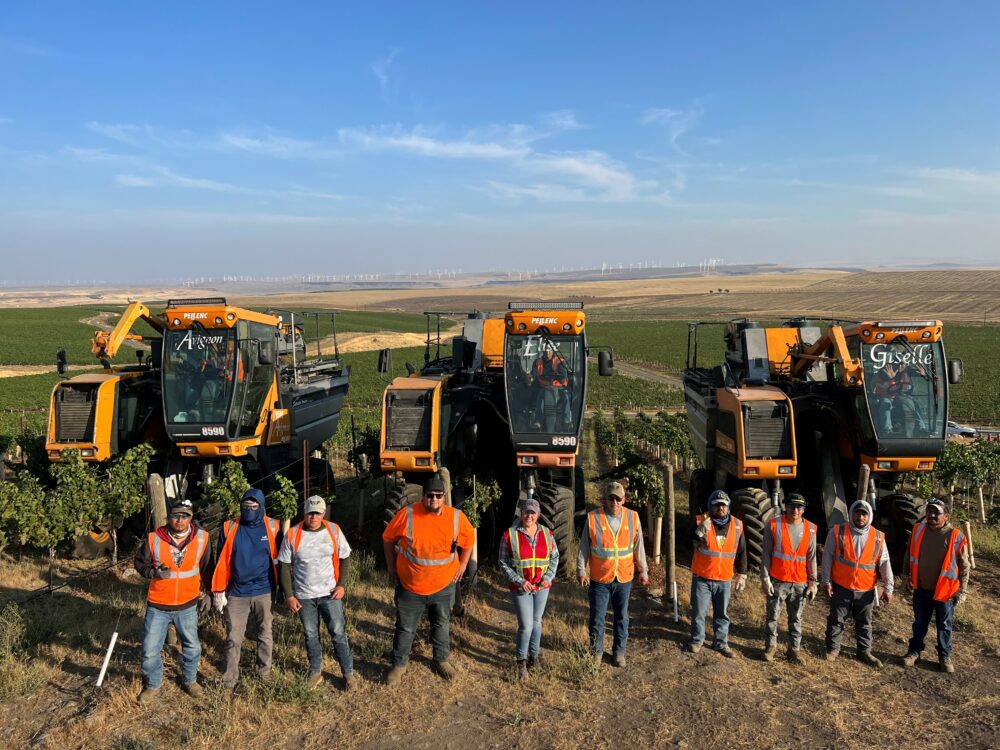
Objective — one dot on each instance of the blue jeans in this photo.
(599, 594)
(529, 608)
(154, 633)
(410, 609)
(332, 612)
(704, 591)
(923, 607)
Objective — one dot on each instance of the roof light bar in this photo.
(196, 301)
(523, 306)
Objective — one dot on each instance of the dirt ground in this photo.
(665, 697)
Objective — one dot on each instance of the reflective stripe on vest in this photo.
(713, 562)
(597, 547)
(333, 530)
(200, 538)
(534, 565)
(947, 584)
(788, 564)
(856, 574)
(407, 549)
(611, 555)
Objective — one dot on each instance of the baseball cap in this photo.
(935, 503)
(434, 484)
(614, 488)
(531, 505)
(181, 506)
(315, 504)
(795, 499)
(718, 497)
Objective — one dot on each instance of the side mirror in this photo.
(955, 371)
(605, 363)
(61, 365)
(267, 352)
(384, 361)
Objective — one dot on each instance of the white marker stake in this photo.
(674, 592)
(107, 658)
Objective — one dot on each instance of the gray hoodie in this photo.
(859, 535)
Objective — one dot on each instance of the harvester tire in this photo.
(399, 496)
(699, 488)
(753, 507)
(92, 545)
(557, 504)
(905, 511)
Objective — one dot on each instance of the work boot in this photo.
(598, 658)
(395, 675)
(865, 657)
(618, 660)
(726, 651)
(945, 665)
(768, 654)
(194, 689)
(522, 670)
(832, 654)
(795, 656)
(534, 662)
(910, 659)
(694, 648)
(148, 695)
(350, 683)
(315, 680)
(445, 669)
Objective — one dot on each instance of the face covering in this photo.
(251, 517)
(720, 522)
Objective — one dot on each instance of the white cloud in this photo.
(970, 180)
(164, 177)
(275, 145)
(124, 133)
(382, 69)
(676, 122)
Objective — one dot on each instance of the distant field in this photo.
(32, 336)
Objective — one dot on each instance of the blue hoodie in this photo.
(251, 573)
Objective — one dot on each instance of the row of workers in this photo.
(427, 547)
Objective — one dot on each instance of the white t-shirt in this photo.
(312, 566)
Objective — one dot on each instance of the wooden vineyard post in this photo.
(967, 530)
(671, 582)
(982, 504)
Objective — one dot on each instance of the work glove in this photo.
(219, 601)
(741, 583)
(811, 592)
(161, 571)
(958, 598)
(766, 587)
(204, 605)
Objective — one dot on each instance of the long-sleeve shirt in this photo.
(639, 548)
(740, 564)
(933, 548)
(507, 562)
(795, 532)
(860, 539)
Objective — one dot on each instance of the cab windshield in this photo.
(198, 369)
(905, 389)
(545, 378)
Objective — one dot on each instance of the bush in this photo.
(18, 676)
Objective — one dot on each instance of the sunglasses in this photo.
(175, 516)
(435, 494)
(934, 513)
(616, 499)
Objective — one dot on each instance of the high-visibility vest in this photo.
(184, 583)
(334, 531)
(405, 545)
(714, 562)
(547, 372)
(611, 555)
(220, 578)
(947, 583)
(787, 563)
(531, 560)
(850, 571)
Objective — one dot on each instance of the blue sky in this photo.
(145, 140)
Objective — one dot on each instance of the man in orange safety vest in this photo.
(938, 575)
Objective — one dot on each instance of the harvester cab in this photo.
(836, 413)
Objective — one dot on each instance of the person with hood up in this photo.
(854, 558)
(718, 567)
(244, 581)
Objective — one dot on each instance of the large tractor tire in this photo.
(557, 505)
(904, 511)
(92, 545)
(399, 496)
(579, 501)
(699, 488)
(753, 507)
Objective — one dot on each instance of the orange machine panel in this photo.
(493, 329)
(780, 341)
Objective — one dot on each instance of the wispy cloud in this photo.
(123, 133)
(966, 180)
(163, 177)
(22, 48)
(6, 121)
(675, 122)
(418, 143)
(276, 146)
(382, 69)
